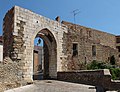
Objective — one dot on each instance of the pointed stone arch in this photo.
(50, 53)
(20, 28)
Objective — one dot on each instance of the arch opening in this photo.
(44, 56)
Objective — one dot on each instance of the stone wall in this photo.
(98, 78)
(1, 53)
(96, 36)
(8, 27)
(85, 38)
(20, 28)
(118, 46)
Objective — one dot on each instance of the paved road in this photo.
(54, 86)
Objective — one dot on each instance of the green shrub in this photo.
(115, 72)
(95, 65)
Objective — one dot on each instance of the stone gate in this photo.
(67, 46)
(20, 28)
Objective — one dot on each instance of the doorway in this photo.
(44, 56)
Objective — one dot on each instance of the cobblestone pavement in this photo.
(54, 86)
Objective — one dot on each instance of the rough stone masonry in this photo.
(68, 46)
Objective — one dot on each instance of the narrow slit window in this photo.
(75, 49)
(93, 50)
(90, 34)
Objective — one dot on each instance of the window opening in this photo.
(75, 49)
(93, 50)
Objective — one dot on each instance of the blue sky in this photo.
(103, 15)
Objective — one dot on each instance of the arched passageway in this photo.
(45, 56)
